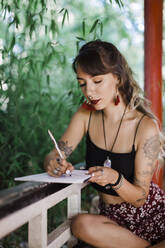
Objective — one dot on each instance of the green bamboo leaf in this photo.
(41, 17)
(17, 22)
(16, 167)
(46, 29)
(48, 80)
(101, 28)
(80, 38)
(63, 19)
(120, 3)
(8, 8)
(16, 4)
(49, 57)
(61, 11)
(20, 154)
(77, 45)
(66, 14)
(32, 28)
(35, 5)
(83, 28)
(5, 10)
(94, 26)
(11, 22)
(12, 43)
(53, 26)
(43, 3)
(2, 4)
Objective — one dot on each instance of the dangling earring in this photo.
(117, 100)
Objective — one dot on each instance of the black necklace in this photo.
(107, 162)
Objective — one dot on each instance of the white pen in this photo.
(68, 172)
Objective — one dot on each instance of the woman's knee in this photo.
(80, 225)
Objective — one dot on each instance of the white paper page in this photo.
(78, 176)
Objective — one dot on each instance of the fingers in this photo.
(58, 166)
(97, 173)
(70, 167)
(52, 168)
(94, 169)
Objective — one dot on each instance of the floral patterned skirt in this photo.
(147, 221)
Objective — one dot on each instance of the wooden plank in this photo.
(60, 235)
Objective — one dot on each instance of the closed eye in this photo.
(82, 85)
(97, 82)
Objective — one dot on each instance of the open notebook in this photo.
(78, 176)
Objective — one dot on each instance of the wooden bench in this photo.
(29, 203)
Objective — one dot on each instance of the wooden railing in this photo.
(29, 203)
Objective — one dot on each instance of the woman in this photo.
(123, 145)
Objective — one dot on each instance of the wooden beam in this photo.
(153, 32)
(153, 20)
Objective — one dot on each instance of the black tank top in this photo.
(121, 162)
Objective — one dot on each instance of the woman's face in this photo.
(102, 89)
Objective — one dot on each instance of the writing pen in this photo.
(86, 180)
(68, 172)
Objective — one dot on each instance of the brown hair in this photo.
(101, 57)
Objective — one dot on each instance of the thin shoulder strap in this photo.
(89, 120)
(137, 128)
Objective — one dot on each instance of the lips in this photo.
(94, 102)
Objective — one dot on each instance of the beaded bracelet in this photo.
(110, 185)
(120, 183)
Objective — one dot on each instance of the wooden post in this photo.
(73, 208)
(153, 20)
(37, 234)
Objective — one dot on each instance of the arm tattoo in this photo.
(141, 184)
(151, 147)
(145, 173)
(151, 150)
(65, 148)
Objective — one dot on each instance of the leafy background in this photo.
(38, 89)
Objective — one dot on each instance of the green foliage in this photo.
(17, 239)
(37, 85)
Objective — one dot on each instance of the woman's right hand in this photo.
(55, 166)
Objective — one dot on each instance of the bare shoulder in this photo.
(83, 111)
(82, 115)
(148, 127)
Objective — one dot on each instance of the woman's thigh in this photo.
(101, 232)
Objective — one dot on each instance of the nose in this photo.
(89, 89)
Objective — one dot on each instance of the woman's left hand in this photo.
(102, 175)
